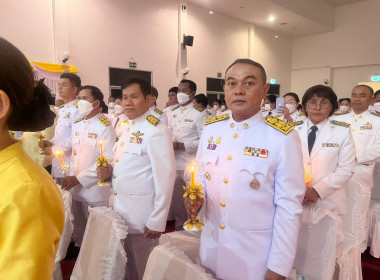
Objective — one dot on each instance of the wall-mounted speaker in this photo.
(188, 41)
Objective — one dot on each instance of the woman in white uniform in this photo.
(328, 153)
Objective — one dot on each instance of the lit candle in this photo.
(192, 174)
(307, 175)
(60, 157)
(101, 142)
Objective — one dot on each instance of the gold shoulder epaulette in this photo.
(375, 114)
(302, 114)
(217, 119)
(341, 123)
(340, 113)
(208, 113)
(198, 108)
(104, 120)
(153, 120)
(209, 107)
(75, 105)
(78, 120)
(176, 107)
(278, 124)
(123, 122)
(158, 111)
(62, 106)
(298, 123)
(225, 109)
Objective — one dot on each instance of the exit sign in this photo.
(375, 78)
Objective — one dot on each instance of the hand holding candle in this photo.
(307, 175)
(102, 161)
(64, 167)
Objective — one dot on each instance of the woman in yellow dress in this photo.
(31, 207)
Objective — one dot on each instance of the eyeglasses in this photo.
(312, 104)
(290, 102)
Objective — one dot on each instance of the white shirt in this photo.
(250, 230)
(331, 162)
(143, 174)
(187, 124)
(86, 149)
(365, 129)
(67, 115)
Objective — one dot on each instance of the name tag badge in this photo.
(330, 145)
(92, 135)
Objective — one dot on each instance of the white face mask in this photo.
(267, 107)
(216, 107)
(377, 107)
(291, 108)
(182, 98)
(343, 108)
(223, 107)
(111, 104)
(85, 107)
(118, 108)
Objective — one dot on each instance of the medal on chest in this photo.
(254, 183)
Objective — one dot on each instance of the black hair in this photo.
(192, 85)
(97, 95)
(271, 98)
(219, 101)
(294, 95)
(344, 99)
(368, 87)
(322, 92)
(154, 92)
(145, 87)
(74, 80)
(201, 98)
(30, 109)
(251, 62)
(173, 89)
(376, 93)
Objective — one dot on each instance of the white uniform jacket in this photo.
(67, 115)
(331, 163)
(187, 124)
(143, 174)
(154, 111)
(249, 230)
(86, 149)
(365, 129)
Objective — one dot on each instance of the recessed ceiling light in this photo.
(271, 18)
(211, 12)
(276, 36)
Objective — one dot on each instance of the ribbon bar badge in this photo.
(255, 152)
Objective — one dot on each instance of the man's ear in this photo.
(266, 89)
(5, 105)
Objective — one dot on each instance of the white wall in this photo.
(351, 51)
(100, 34)
(29, 26)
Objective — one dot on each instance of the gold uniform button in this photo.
(309, 163)
(133, 122)
(122, 144)
(223, 204)
(229, 157)
(225, 180)
(222, 226)
(128, 129)
(232, 125)
(245, 125)
(114, 176)
(235, 136)
(208, 176)
(352, 129)
(75, 153)
(114, 193)
(117, 159)
(356, 120)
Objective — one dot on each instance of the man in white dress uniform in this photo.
(253, 177)
(143, 175)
